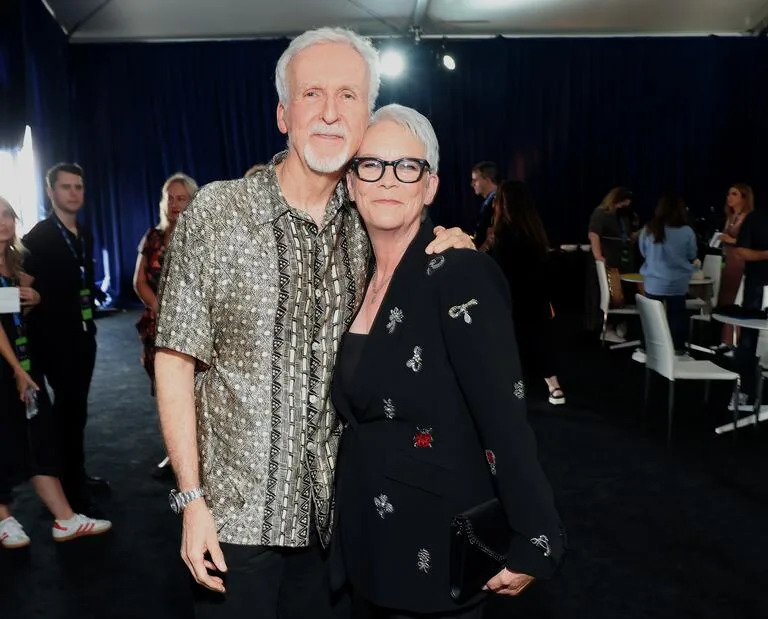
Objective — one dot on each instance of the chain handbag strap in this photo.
(464, 527)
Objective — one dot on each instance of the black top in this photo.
(347, 361)
(58, 280)
(754, 235)
(442, 428)
(614, 229)
(527, 270)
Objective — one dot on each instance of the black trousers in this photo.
(745, 355)
(265, 582)
(363, 609)
(68, 367)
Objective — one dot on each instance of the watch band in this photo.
(179, 500)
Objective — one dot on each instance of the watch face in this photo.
(173, 499)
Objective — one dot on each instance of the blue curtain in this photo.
(573, 117)
(12, 81)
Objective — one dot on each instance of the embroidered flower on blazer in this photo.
(423, 559)
(491, 458)
(389, 408)
(395, 316)
(414, 362)
(383, 506)
(423, 438)
(519, 389)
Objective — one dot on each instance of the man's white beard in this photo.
(325, 165)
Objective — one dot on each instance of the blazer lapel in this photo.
(378, 357)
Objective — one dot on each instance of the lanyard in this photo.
(86, 313)
(79, 259)
(20, 341)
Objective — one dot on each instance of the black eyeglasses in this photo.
(371, 169)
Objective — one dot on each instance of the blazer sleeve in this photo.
(477, 326)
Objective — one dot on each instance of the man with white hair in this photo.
(262, 277)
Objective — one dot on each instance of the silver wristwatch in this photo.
(179, 500)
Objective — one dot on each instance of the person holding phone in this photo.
(27, 435)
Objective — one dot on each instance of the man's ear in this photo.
(281, 122)
(351, 185)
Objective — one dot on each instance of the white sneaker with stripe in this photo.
(12, 534)
(79, 526)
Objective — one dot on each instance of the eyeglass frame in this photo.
(355, 162)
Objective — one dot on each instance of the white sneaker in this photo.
(79, 526)
(12, 534)
(639, 355)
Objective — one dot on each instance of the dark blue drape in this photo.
(573, 117)
(12, 81)
(34, 80)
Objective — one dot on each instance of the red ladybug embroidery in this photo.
(423, 438)
(491, 458)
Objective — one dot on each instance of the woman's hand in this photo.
(23, 383)
(727, 238)
(29, 297)
(507, 582)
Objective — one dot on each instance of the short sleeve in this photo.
(187, 284)
(476, 317)
(596, 222)
(31, 255)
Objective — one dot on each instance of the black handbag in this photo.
(480, 539)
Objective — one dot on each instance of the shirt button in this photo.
(315, 345)
(313, 399)
(318, 293)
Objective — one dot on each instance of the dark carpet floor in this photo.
(653, 531)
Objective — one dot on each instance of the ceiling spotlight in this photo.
(392, 63)
(449, 62)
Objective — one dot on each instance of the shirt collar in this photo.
(278, 205)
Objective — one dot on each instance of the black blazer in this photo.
(439, 427)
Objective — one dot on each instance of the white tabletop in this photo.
(749, 323)
(637, 278)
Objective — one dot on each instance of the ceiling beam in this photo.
(419, 11)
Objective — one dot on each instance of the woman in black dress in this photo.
(27, 441)
(519, 244)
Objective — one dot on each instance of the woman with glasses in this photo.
(429, 383)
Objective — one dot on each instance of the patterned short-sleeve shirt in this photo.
(257, 291)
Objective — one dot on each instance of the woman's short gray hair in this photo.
(362, 45)
(417, 124)
(190, 184)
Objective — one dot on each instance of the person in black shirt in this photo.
(752, 247)
(61, 261)
(518, 242)
(27, 427)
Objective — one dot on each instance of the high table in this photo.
(746, 323)
(694, 283)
